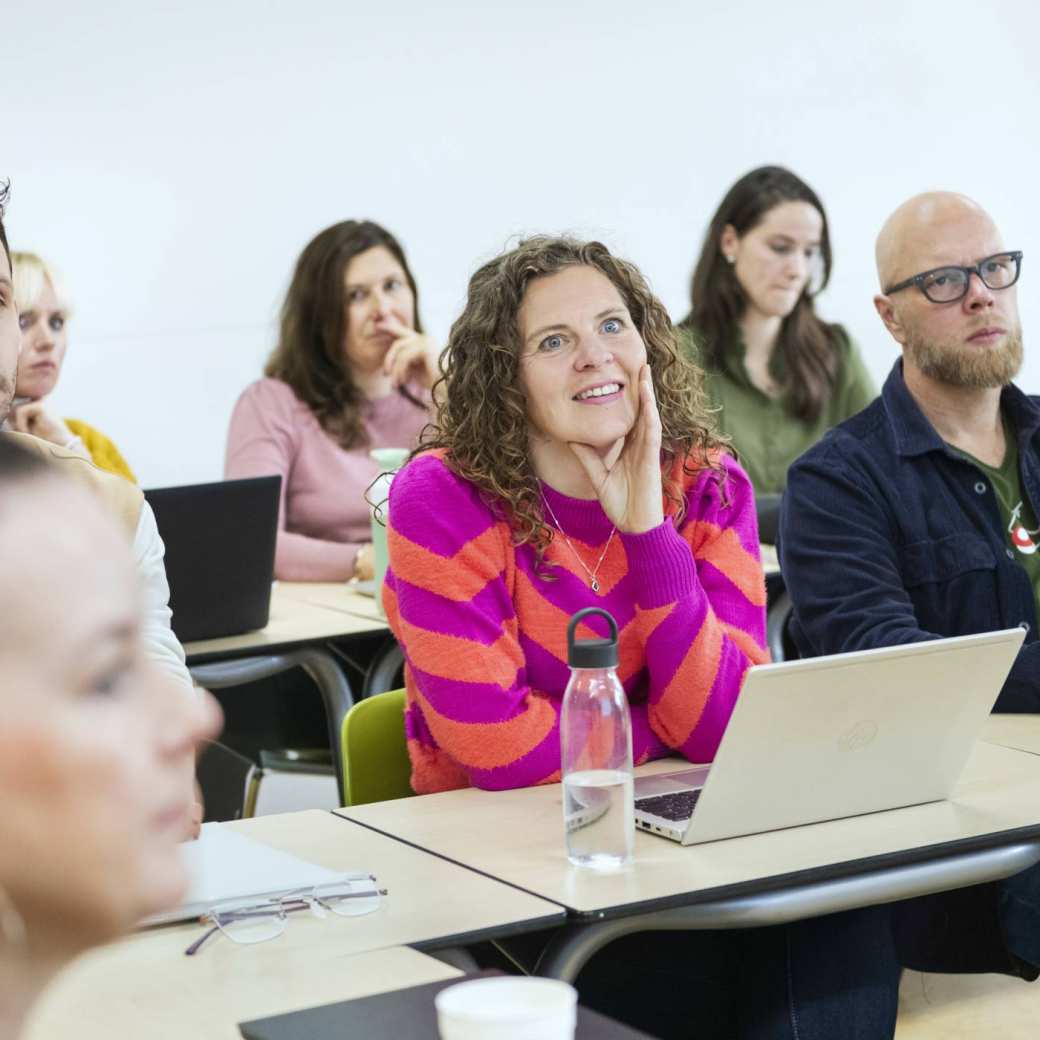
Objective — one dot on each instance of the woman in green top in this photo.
(780, 375)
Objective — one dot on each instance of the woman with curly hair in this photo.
(351, 372)
(779, 375)
(572, 463)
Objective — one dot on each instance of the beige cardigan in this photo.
(126, 502)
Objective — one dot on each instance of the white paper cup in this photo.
(507, 1009)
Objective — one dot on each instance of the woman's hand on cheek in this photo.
(627, 478)
(412, 356)
(34, 419)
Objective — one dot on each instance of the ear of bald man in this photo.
(887, 312)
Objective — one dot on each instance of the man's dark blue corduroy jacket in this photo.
(888, 536)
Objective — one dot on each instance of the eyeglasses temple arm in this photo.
(194, 947)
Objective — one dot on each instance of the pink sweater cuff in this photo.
(661, 565)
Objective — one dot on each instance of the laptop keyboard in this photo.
(676, 806)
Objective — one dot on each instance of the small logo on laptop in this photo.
(859, 736)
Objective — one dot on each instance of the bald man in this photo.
(917, 518)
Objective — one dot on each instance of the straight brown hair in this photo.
(717, 300)
(309, 356)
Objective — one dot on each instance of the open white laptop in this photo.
(829, 737)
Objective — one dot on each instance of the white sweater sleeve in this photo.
(161, 645)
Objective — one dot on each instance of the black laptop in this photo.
(219, 542)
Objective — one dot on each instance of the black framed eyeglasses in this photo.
(947, 284)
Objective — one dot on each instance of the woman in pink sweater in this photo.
(352, 371)
(574, 465)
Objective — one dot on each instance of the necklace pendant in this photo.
(595, 585)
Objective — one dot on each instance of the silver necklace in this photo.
(593, 581)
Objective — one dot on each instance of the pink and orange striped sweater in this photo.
(485, 637)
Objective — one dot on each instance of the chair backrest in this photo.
(767, 508)
(376, 766)
(386, 672)
(778, 630)
(228, 781)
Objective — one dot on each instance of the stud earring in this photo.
(730, 259)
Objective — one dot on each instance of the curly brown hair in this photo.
(482, 424)
(309, 356)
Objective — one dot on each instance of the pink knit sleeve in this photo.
(701, 610)
(263, 440)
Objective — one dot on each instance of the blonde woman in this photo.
(44, 310)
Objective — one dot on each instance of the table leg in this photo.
(572, 947)
(383, 672)
(319, 664)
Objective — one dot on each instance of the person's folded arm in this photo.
(160, 643)
(263, 441)
(298, 557)
(839, 557)
(700, 611)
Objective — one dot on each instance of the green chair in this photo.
(376, 767)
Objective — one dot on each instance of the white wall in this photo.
(173, 159)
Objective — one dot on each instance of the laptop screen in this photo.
(220, 541)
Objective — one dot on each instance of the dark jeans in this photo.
(829, 978)
(986, 928)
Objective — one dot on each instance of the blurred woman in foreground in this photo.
(94, 746)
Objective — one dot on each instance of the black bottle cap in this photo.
(592, 653)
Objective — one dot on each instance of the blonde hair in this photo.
(31, 273)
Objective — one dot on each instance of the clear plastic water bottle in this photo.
(596, 753)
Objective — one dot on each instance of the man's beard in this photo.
(6, 397)
(957, 364)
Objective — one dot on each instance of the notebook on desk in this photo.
(219, 542)
(829, 737)
(224, 865)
